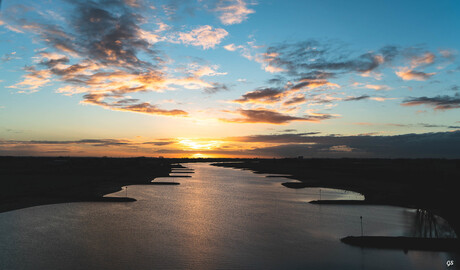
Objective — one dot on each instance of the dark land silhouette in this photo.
(30, 181)
(405, 243)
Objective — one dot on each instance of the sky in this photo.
(230, 78)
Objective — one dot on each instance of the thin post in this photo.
(361, 217)
(126, 189)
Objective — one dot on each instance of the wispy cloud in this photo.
(296, 100)
(437, 102)
(313, 56)
(233, 11)
(32, 80)
(271, 117)
(204, 36)
(197, 70)
(424, 59)
(9, 57)
(376, 87)
(264, 95)
(363, 97)
(417, 60)
(408, 74)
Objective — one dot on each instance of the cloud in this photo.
(381, 99)
(204, 36)
(312, 83)
(232, 47)
(160, 143)
(33, 80)
(425, 59)
(323, 98)
(310, 65)
(198, 71)
(233, 11)
(9, 57)
(341, 148)
(438, 126)
(95, 142)
(408, 74)
(267, 59)
(448, 54)
(274, 138)
(97, 53)
(273, 69)
(151, 109)
(314, 56)
(417, 60)
(106, 32)
(216, 87)
(437, 102)
(364, 97)
(270, 95)
(377, 87)
(131, 105)
(133, 3)
(364, 124)
(264, 95)
(272, 117)
(85, 147)
(297, 100)
(357, 98)
(425, 125)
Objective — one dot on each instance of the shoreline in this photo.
(27, 202)
(30, 181)
(404, 243)
(396, 192)
(22, 203)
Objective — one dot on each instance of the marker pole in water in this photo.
(126, 188)
(361, 217)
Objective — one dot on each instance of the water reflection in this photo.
(428, 225)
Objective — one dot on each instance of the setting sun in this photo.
(197, 145)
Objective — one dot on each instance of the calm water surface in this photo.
(220, 218)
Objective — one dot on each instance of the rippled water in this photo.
(220, 218)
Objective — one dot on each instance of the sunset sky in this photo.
(230, 78)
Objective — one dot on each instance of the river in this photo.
(220, 218)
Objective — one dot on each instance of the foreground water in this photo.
(220, 218)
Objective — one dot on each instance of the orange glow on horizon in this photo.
(193, 144)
